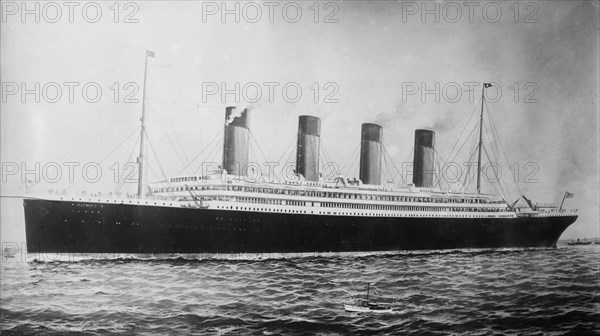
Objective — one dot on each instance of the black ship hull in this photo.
(82, 227)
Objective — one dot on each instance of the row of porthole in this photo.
(121, 201)
(221, 219)
(85, 211)
(301, 211)
(334, 213)
(348, 214)
(342, 213)
(359, 214)
(83, 221)
(261, 209)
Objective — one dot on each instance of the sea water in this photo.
(548, 291)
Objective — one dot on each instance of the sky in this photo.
(352, 61)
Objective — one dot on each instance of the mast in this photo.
(143, 131)
(485, 85)
(563, 201)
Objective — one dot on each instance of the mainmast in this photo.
(485, 85)
(143, 130)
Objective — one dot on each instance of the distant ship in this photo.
(366, 306)
(226, 212)
(580, 242)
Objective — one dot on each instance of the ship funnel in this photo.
(370, 153)
(308, 147)
(236, 141)
(423, 164)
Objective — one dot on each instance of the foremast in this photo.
(143, 130)
(485, 86)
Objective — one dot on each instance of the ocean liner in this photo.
(225, 211)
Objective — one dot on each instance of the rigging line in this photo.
(491, 138)
(385, 166)
(496, 154)
(260, 170)
(350, 157)
(294, 139)
(122, 179)
(280, 121)
(465, 184)
(287, 160)
(168, 138)
(464, 143)
(107, 128)
(439, 180)
(499, 158)
(474, 143)
(322, 155)
(102, 131)
(217, 156)
(323, 161)
(439, 156)
(389, 171)
(406, 161)
(214, 146)
(325, 154)
(109, 154)
(253, 158)
(166, 133)
(500, 192)
(194, 159)
(316, 144)
(453, 185)
(162, 171)
(410, 154)
(181, 145)
(214, 153)
(257, 145)
(395, 167)
(463, 130)
(474, 147)
(355, 161)
(351, 170)
(192, 106)
(502, 149)
(284, 171)
(156, 176)
(353, 158)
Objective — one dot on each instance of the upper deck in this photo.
(340, 198)
(341, 188)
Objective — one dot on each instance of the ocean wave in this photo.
(433, 292)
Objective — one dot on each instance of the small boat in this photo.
(578, 242)
(364, 306)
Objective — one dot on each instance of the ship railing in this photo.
(546, 212)
(557, 210)
(111, 195)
